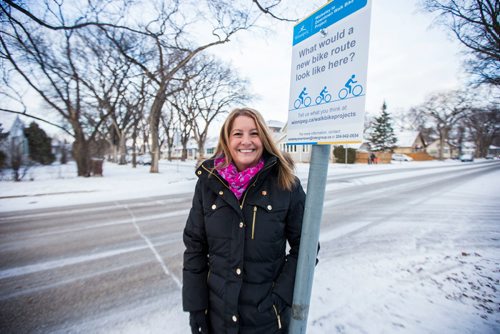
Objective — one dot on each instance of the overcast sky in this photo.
(408, 59)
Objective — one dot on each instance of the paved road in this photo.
(96, 266)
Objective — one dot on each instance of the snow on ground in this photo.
(419, 275)
(428, 275)
(58, 185)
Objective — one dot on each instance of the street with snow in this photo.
(407, 247)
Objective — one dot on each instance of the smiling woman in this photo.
(245, 145)
(237, 276)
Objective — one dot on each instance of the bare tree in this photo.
(484, 126)
(109, 81)
(170, 128)
(49, 64)
(215, 88)
(444, 111)
(49, 45)
(166, 49)
(136, 102)
(475, 23)
(185, 110)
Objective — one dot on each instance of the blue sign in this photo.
(332, 12)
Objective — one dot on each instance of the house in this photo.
(299, 153)
(15, 145)
(450, 151)
(275, 127)
(409, 142)
(493, 151)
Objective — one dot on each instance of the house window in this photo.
(210, 150)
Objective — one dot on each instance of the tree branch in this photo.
(266, 10)
(37, 118)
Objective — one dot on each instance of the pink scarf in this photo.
(238, 181)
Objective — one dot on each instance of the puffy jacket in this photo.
(235, 255)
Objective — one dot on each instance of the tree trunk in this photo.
(81, 156)
(134, 147)
(184, 153)
(170, 145)
(441, 146)
(201, 150)
(154, 124)
(123, 150)
(155, 142)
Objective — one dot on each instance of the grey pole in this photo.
(313, 212)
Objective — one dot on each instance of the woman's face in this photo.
(245, 145)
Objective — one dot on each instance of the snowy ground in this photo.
(438, 274)
(417, 274)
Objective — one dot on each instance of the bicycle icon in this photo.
(306, 102)
(323, 97)
(349, 89)
(302, 100)
(356, 91)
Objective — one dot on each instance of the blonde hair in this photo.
(286, 177)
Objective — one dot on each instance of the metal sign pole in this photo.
(313, 212)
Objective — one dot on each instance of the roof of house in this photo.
(406, 138)
(17, 128)
(275, 124)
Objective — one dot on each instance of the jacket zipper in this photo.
(253, 221)
(277, 316)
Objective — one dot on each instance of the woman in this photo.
(237, 277)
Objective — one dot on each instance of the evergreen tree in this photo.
(382, 137)
(39, 144)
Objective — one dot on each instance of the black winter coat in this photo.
(235, 253)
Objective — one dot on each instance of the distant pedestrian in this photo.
(237, 276)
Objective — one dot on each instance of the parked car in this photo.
(466, 157)
(401, 157)
(144, 159)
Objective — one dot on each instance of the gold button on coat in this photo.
(264, 193)
(238, 271)
(235, 318)
(241, 225)
(221, 193)
(199, 172)
(269, 207)
(214, 207)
